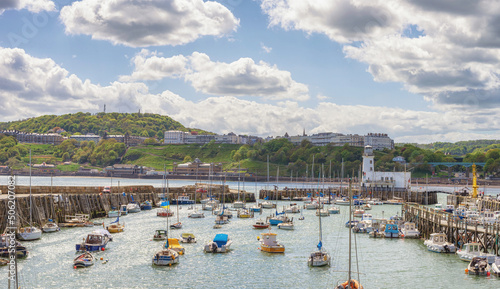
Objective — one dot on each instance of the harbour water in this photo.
(383, 263)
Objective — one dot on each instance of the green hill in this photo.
(138, 124)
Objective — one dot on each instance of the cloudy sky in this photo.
(418, 70)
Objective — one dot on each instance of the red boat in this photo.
(164, 213)
(261, 225)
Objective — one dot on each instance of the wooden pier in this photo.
(458, 231)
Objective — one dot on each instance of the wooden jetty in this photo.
(458, 231)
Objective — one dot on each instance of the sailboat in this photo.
(166, 256)
(196, 214)
(238, 204)
(350, 283)
(164, 211)
(177, 225)
(320, 257)
(29, 233)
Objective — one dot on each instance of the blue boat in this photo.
(95, 241)
(182, 200)
(21, 250)
(391, 231)
(146, 205)
(278, 219)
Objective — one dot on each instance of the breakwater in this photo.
(59, 202)
(383, 194)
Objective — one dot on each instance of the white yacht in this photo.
(471, 250)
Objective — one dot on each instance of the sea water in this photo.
(381, 263)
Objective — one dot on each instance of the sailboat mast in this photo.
(350, 230)
(30, 194)
(238, 181)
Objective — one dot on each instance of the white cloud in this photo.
(265, 48)
(138, 23)
(148, 66)
(448, 51)
(31, 5)
(31, 86)
(242, 77)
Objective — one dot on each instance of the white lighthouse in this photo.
(371, 178)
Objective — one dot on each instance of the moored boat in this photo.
(196, 215)
(220, 244)
(165, 257)
(5, 241)
(409, 230)
(160, 235)
(84, 260)
(471, 250)
(188, 238)
(391, 231)
(50, 227)
(95, 241)
(146, 205)
(286, 225)
(334, 210)
(269, 244)
(495, 267)
(115, 227)
(173, 244)
(114, 213)
(260, 224)
(133, 207)
(437, 243)
(479, 266)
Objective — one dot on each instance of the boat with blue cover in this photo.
(220, 244)
(391, 231)
(182, 200)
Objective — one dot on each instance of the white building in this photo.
(174, 137)
(378, 141)
(371, 178)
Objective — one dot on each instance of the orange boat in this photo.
(269, 244)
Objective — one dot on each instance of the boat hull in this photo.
(272, 249)
(30, 236)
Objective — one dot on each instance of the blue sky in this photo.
(420, 71)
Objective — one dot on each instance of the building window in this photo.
(370, 162)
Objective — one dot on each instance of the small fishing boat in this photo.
(5, 242)
(95, 241)
(84, 260)
(173, 244)
(495, 267)
(220, 244)
(286, 225)
(238, 204)
(261, 224)
(269, 244)
(358, 212)
(479, 266)
(146, 205)
(471, 250)
(334, 210)
(342, 202)
(182, 200)
(123, 210)
(3, 262)
(243, 213)
(279, 218)
(367, 207)
(188, 238)
(177, 225)
(50, 227)
(409, 230)
(312, 206)
(160, 235)
(437, 243)
(133, 207)
(114, 214)
(391, 231)
(116, 227)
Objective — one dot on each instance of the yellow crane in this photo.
(474, 181)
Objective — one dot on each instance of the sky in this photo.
(419, 70)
